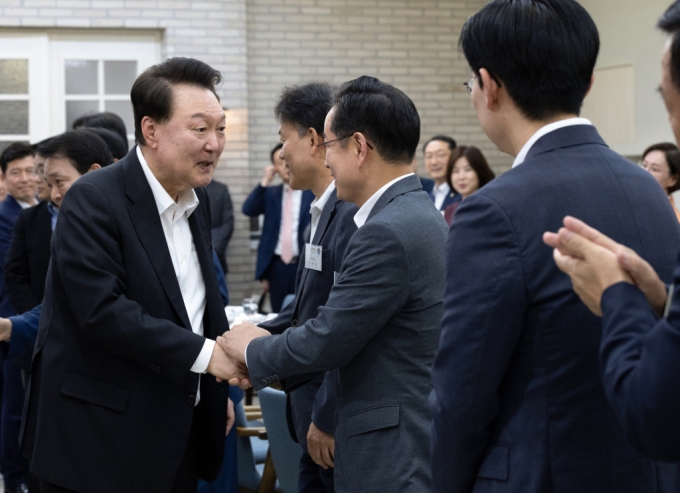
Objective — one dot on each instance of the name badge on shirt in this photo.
(313, 257)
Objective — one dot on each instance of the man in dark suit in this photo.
(640, 316)
(301, 111)
(280, 247)
(517, 401)
(18, 169)
(119, 398)
(67, 157)
(380, 325)
(222, 212)
(436, 154)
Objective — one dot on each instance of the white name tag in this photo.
(313, 257)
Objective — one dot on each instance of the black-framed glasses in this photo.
(324, 146)
(468, 85)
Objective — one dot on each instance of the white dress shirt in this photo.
(297, 197)
(23, 205)
(440, 193)
(317, 208)
(175, 221)
(361, 216)
(544, 131)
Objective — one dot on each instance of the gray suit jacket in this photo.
(380, 328)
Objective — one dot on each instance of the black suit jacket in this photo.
(110, 404)
(222, 213)
(335, 229)
(29, 257)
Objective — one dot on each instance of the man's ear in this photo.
(94, 167)
(490, 88)
(592, 81)
(314, 140)
(149, 129)
(359, 146)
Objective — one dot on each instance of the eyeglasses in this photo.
(324, 146)
(468, 85)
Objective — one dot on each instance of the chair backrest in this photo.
(285, 452)
(248, 476)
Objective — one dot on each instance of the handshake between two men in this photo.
(228, 357)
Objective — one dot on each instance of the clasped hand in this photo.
(228, 358)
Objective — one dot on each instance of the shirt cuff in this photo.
(245, 354)
(201, 363)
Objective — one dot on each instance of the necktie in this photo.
(287, 228)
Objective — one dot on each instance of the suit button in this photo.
(295, 323)
(276, 378)
(154, 367)
(166, 373)
(264, 382)
(191, 400)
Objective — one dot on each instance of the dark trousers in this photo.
(314, 478)
(46, 487)
(12, 464)
(281, 278)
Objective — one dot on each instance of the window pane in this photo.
(124, 110)
(13, 76)
(14, 117)
(81, 77)
(119, 77)
(76, 109)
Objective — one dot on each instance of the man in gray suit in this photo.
(380, 326)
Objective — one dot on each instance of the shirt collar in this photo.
(320, 202)
(444, 187)
(544, 131)
(54, 210)
(23, 205)
(187, 199)
(365, 210)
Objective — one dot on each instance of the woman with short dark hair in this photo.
(663, 162)
(466, 173)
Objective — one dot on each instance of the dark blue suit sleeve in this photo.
(640, 364)
(254, 204)
(24, 334)
(484, 307)
(324, 414)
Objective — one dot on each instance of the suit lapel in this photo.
(325, 219)
(144, 215)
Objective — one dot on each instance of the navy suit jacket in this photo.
(268, 201)
(428, 184)
(517, 400)
(641, 368)
(315, 400)
(9, 213)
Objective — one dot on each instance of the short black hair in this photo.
(14, 151)
(107, 120)
(38, 145)
(443, 138)
(116, 145)
(276, 148)
(83, 147)
(670, 23)
(151, 94)
(385, 115)
(305, 106)
(542, 51)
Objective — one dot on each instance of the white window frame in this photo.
(34, 48)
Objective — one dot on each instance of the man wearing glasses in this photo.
(18, 170)
(380, 326)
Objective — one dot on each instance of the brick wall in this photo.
(262, 45)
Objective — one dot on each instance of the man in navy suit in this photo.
(18, 169)
(641, 319)
(279, 248)
(436, 154)
(517, 401)
(311, 408)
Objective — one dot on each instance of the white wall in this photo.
(628, 35)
